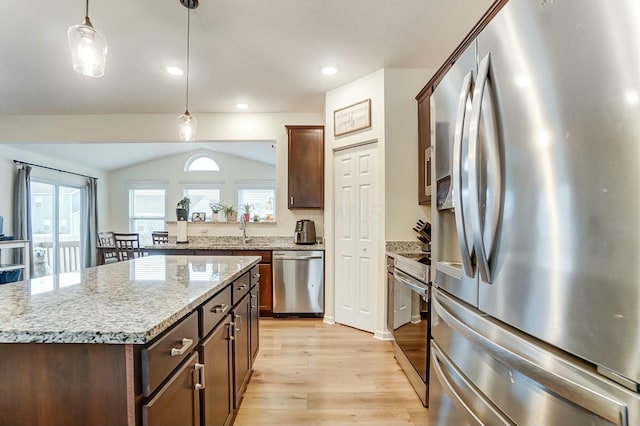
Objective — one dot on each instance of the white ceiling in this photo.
(267, 53)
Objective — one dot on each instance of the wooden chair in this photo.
(160, 237)
(128, 246)
(106, 248)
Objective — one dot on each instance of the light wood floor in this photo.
(311, 373)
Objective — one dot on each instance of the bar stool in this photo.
(160, 237)
(106, 248)
(128, 246)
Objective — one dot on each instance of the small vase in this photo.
(247, 217)
(222, 217)
(182, 214)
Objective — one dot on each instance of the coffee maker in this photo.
(305, 232)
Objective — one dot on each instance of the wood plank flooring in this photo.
(311, 373)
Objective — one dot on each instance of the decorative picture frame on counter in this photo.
(352, 118)
(198, 216)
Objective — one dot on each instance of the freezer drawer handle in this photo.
(590, 400)
(438, 358)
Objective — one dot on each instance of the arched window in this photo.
(201, 162)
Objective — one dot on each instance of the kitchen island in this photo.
(129, 343)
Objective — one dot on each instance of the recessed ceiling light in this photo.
(242, 106)
(329, 70)
(175, 71)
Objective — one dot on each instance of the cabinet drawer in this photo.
(214, 310)
(240, 287)
(165, 354)
(178, 401)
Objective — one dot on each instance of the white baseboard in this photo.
(382, 335)
(329, 319)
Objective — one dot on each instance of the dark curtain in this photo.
(22, 208)
(91, 219)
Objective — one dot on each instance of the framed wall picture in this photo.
(198, 216)
(352, 118)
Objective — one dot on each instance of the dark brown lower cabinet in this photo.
(217, 395)
(178, 401)
(266, 290)
(255, 314)
(241, 348)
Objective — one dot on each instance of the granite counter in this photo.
(121, 303)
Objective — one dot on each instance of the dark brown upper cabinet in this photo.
(306, 167)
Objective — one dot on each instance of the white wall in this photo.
(394, 126)
(168, 172)
(8, 171)
(401, 152)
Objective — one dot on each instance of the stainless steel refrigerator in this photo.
(536, 298)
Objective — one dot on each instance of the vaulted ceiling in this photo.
(266, 53)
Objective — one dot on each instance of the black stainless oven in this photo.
(408, 308)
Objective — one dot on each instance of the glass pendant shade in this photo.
(88, 49)
(187, 127)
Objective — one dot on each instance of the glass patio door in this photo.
(58, 226)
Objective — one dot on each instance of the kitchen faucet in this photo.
(243, 226)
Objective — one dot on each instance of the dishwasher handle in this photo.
(276, 257)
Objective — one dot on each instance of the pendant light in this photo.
(186, 123)
(88, 47)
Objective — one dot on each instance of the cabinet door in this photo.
(424, 142)
(241, 348)
(217, 395)
(255, 314)
(266, 290)
(178, 401)
(306, 167)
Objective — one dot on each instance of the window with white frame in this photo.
(146, 212)
(201, 163)
(201, 198)
(260, 201)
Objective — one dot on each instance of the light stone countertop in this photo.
(235, 243)
(120, 303)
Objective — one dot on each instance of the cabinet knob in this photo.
(186, 344)
(291, 200)
(201, 377)
(238, 322)
(220, 309)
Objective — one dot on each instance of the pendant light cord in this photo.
(188, 46)
(86, 15)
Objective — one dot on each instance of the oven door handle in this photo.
(406, 280)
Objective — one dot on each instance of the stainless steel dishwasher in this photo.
(298, 283)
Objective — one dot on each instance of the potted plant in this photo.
(182, 209)
(216, 209)
(230, 213)
(246, 208)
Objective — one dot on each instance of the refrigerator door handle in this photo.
(579, 394)
(466, 248)
(485, 217)
(440, 364)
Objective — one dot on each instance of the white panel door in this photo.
(357, 217)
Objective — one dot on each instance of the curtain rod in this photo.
(51, 168)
